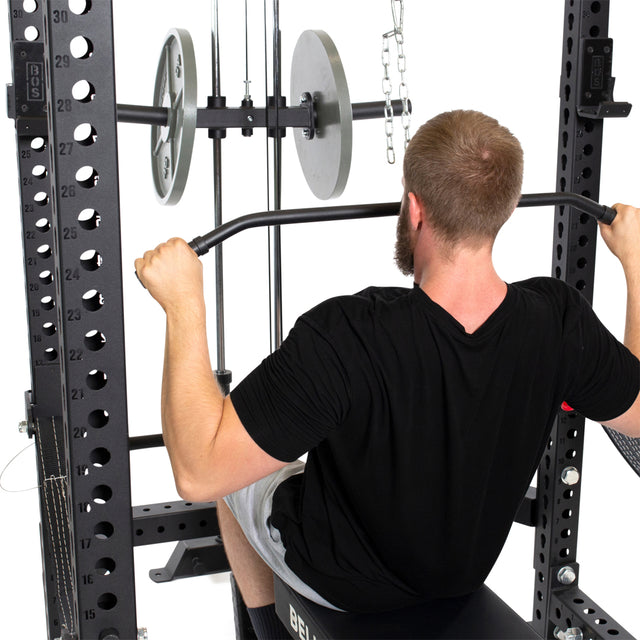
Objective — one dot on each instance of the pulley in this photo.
(176, 90)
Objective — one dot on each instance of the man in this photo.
(425, 411)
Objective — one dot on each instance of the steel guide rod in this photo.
(223, 376)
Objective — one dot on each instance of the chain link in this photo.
(397, 10)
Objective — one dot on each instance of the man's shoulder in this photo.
(550, 288)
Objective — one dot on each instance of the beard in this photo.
(404, 241)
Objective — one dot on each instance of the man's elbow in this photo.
(194, 490)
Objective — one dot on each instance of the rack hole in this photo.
(96, 380)
(44, 251)
(100, 457)
(49, 329)
(566, 533)
(564, 553)
(98, 419)
(558, 272)
(39, 171)
(31, 33)
(594, 32)
(588, 149)
(565, 139)
(105, 566)
(41, 198)
(571, 19)
(581, 285)
(601, 621)
(80, 7)
(81, 48)
(38, 144)
(583, 241)
(589, 611)
(582, 263)
(103, 530)
(87, 177)
(560, 229)
(50, 354)
(589, 126)
(107, 601)
(43, 225)
(567, 513)
(92, 300)
(568, 68)
(91, 260)
(94, 340)
(85, 134)
(595, 7)
(29, 6)
(89, 219)
(83, 91)
(564, 160)
(568, 494)
(571, 454)
(584, 217)
(569, 45)
(587, 172)
(47, 303)
(567, 92)
(559, 251)
(46, 277)
(613, 632)
(101, 494)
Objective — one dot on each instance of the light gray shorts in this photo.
(251, 507)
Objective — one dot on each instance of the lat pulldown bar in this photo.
(202, 244)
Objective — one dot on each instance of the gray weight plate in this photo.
(176, 89)
(326, 158)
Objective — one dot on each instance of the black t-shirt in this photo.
(422, 439)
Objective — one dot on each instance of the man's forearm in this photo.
(632, 325)
(191, 399)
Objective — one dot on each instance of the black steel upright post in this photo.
(586, 60)
(27, 105)
(87, 276)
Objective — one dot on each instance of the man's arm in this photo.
(211, 453)
(623, 239)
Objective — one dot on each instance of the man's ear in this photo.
(416, 212)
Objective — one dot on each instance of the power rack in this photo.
(77, 405)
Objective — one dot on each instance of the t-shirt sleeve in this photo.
(607, 377)
(296, 396)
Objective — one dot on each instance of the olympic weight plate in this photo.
(317, 70)
(176, 89)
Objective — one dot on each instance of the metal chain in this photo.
(397, 10)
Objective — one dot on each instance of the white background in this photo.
(498, 56)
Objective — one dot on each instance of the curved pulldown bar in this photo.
(202, 244)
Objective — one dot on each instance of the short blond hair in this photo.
(466, 170)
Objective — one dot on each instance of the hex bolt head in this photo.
(566, 575)
(23, 426)
(570, 476)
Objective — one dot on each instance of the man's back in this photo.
(423, 438)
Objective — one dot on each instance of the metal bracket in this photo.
(596, 82)
(191, 558)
